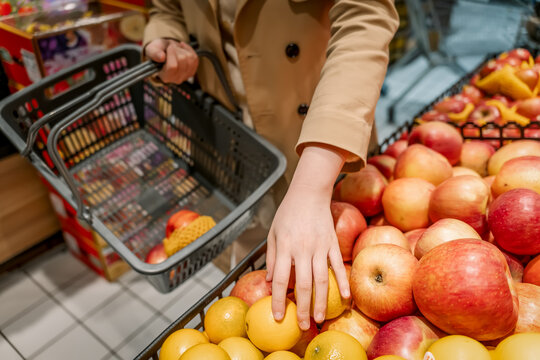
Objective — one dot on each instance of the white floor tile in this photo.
(78, 344)
(86, 294)
(210, 274)
(56, 271)
(37, 327)
(7, 352)
(17, 293)
(118, 319)
(128, 277)
(185, 300)
(143, 338)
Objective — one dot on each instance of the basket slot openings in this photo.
(69, 83)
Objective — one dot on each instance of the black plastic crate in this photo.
(127, 154)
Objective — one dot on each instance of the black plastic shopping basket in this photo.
(128, 154)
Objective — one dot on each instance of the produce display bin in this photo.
(127, 154)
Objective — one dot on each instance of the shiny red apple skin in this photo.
(180, 220)
(354, 323)
(485, 114)
(529, 308)
(529, 108)
(465, 287)
(529, 77)
(464, 198)
(504, 99)
(348, 224)
(156, 255)
(252, 287)
(475, 155)
(515, 266)
(374, 235)
(434, 115)
(531, 273)
(419, 161)
(381, 281)
(439, 136)
(450, 105)
(491, 66)
(364, 189)
(407, 336)
(384, 163)
(520, 53)
(473, 93)
(336, 194)
(395, 149)
(521, 172)
(514, 220)
(413, 236)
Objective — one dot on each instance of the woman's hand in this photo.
(180, 60)
(302, 234)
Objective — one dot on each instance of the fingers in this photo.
(280, 281)
(155, 50)
(303, 291)
(180, 60)
(339, 269)
(320, 277)
(270, 255)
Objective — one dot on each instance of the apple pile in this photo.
(506, 89)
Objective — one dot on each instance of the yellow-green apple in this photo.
(465, 287)
(364, 190)
(419, 161)
(511, 151)
(407, 336)
(413, 236)
(384, 163)
(464, 198)
(434, 115)
(156, 255)
(252, 287)
(529, 308)
(475, 155)
(442, 231)
(406, 203)
(348, 223)
(450, 105)
(473, 93)
(520, 54)
(522, 172)
(307, 335)
(378, 220)
(514, 220)
(528, 76)
(485, 114)
(354, 323)
(374, 235)
(395, 149)
(515, 266)
(381, 281)
(439, 136)
(531, 274)
(462, 170)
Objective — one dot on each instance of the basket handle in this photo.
(104, 92)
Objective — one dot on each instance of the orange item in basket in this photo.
(182, 237)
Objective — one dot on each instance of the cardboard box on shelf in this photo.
(38, 44)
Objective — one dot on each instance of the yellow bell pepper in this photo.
(463, 115)
(508, 114)
(504, 81)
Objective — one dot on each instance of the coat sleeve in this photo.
(342, 110)
(166, 21)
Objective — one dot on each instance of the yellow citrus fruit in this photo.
(240, 348)
(389, 357)
(268, 334)
(335, 304)
(225, 318)
(525, 346)
(458, 347)
(333, 344)
(179, 341)
(282, 355)
(205, 352)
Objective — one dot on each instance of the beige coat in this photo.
(329, 55)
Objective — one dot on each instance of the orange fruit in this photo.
(282, 355)
(458, 347)
(334, 344)
(268, 334)
(389, 357)
(225, 318)
(525, 346)
(205, 352)
(240, 348)
(180, 341)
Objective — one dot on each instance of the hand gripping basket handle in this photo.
(105, 91)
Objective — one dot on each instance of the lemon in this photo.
(282, 355)
(524, 346)
(180, 341)
(240, 348)
(334, 344)
(458, 347)
(205, 352)
(226, 318)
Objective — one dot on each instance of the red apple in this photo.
(473, 93)
(522, 172)
(404, 135)
(510, 60)
(528, 76)
(419, 161)
(378, 220)
(450, 105)
(515, 266)
(475, 155)
(180, 220)
(491, 66)
(529, 108)
(384, 163)
(252, 287)
(406, 203)
(354, 323)
(395, 149)
(529, 308)
(531, 274)
(520, 54)
(407, 336)
(485, 114)
(374, 235)
(511, 151)
(504, 99)
(434, 115)
(363, 189)
(413, 236)
(439, 136)
(462, 170)
(462, 197)
(465, 287)
(307, 335)
(514, 220)
(348, 223)
(336, 194)
(474, 79)
(381, 281)
(156, 255)
(443, 231)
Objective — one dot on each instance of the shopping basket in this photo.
(127, 154)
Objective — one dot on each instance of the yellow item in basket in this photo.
(508, 114)
(179, 342)
(205, 352)
(180, 238)
(462, 116)
(505, 81)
